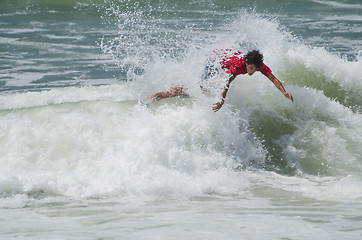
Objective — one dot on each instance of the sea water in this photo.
(81, 158)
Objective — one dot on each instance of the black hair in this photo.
(254, 57)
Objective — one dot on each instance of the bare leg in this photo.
(173, 92)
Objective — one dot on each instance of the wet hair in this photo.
(254, 57)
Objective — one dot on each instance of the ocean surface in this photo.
(82, 158)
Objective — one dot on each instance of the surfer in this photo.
(233, 63)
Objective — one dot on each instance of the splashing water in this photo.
(293, 163)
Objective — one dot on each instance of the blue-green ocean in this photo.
(82, 158)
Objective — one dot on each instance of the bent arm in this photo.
(280, 86)
(216, 107)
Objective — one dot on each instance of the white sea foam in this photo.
(97, 141)
(340, 5)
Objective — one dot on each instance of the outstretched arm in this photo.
(216, 107)
(279, 85)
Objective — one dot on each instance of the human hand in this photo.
(289, 96)
(216, 107)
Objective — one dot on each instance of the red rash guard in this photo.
(236, 64)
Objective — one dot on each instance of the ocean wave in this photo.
(99, 141)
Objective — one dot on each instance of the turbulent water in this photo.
(81, 158)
